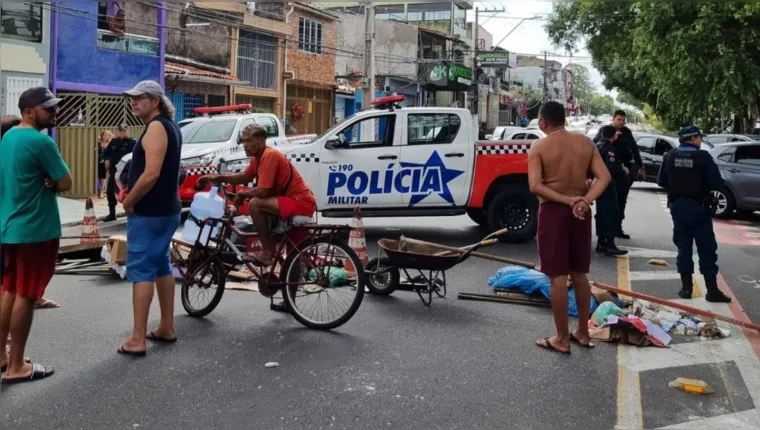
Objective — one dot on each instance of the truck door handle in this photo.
(387, 157)
(734, 170)
(455, 154)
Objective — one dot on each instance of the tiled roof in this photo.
(180, 69)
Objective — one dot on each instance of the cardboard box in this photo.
(117, 249)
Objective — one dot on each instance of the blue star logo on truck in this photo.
(434, 163)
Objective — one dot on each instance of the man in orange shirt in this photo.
(280, 189)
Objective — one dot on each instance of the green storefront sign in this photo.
(493, 59)
(460, 75)
(451, 77)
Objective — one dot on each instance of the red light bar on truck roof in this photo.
(222, 109)
(388, 100)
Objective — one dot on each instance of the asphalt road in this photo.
(396, 364)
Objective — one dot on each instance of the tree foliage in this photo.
(692, 62)
(583, 89)
(626, 98)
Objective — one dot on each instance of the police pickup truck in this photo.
(414, 161)
(207, 138)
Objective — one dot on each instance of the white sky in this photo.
(530, 37)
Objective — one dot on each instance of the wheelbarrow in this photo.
(384, 272)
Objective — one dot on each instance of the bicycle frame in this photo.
(287, 243)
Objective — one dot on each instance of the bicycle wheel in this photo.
(311, 298)
(208, 282)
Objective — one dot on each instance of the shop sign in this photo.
(460, 74)
(493, 59)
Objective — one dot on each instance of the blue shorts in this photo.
(148, 242)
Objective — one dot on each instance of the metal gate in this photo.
(81, 119)
(505, 117)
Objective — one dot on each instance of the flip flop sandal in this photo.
(548, 345)
(38, 372)
(155, 338)
(47, 304)
(582, 345)
(121, 350)
(27, 360)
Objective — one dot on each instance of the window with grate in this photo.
(214, 101)
(257, 58)
(310, 36)
(22, 20)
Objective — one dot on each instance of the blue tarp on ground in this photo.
(532, 283)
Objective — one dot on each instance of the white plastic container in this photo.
(205, 205)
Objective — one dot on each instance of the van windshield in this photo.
(207, 131)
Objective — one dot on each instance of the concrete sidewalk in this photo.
(72, 211)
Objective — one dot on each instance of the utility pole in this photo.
(368, 81)
(475, 83)
(546, 78)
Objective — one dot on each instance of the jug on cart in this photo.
(205, 205)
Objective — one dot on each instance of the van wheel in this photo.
(478, 216)
(515, 209)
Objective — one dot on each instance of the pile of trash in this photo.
(633, 322)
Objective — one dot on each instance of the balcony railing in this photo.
(132, 43)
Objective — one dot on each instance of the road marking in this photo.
(654, 275)
(629, 407)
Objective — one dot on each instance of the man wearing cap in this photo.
(690, 175)
(114, 152)
(32, 172)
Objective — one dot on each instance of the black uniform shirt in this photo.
(117, 149)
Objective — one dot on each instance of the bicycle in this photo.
(305, 256)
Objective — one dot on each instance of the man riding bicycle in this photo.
(280, 189)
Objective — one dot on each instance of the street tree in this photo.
(689, 61)
(583, 89)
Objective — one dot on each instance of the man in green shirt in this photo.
(32, 172)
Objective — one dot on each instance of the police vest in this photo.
(687, 174)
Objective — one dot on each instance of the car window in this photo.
(662, 146)
(739, 139)
(645, 144)
(270, 125)
(207, 131)
(372, 132)
(715, 140)
(517, 136)
(748, 155)
(532, 136)
(426, 129)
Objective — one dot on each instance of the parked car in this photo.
(499, 132)
(719, 139)
(523, 134)
(739, 164)
(653, 147)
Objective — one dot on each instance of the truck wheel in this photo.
(478, 216)
(515, 209)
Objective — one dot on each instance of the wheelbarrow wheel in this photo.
(382, 277)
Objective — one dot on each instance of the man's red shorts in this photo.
(290, 207)
(564, 241)
(29, 267)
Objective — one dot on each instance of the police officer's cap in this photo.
(689, 131)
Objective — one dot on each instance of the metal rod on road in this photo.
(674, 305)
(474, 254)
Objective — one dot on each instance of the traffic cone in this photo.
(90, 233)
(358, 242)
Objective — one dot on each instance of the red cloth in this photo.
(564, 241)
(29, 267)
(290, 207)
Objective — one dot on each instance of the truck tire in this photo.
(516, 209)
(478, 216)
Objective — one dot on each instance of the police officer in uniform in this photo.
(690, 174)
(114, 152)
(608, 216)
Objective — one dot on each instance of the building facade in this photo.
(24, 51)
(311, 60)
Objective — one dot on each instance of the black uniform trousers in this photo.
(622, 189)
(111, 193)
(692, 223)
(608, 213)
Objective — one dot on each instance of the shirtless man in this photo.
(557, 171)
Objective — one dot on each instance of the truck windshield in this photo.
(207, 131)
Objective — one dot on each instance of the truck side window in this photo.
(374, 132)
(270, 125)
(427, 129)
